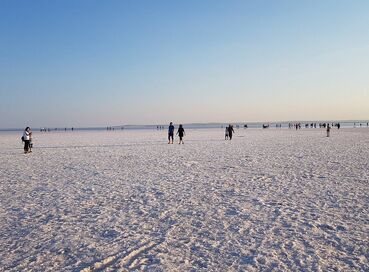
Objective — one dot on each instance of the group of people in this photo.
(54, 129)
(229, 132)
(27, 134)
(180, 133)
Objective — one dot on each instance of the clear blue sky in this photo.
(98, 63)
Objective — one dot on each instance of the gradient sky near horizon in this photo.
(98, 63)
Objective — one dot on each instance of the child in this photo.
(30, 142)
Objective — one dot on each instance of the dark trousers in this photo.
(26, 145)
(170, 136)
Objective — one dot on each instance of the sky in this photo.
(96, 63)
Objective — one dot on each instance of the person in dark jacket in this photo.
(230, 132)
(181, 133)
(170, 133)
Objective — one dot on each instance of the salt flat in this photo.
(127, 201)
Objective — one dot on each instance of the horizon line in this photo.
(196, 123)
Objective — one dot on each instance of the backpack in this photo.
(22, 138)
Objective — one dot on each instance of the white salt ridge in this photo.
(127, 201)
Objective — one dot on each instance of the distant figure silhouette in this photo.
(181, 133)
(328, 130)
(230, 132)
(226, 136)
(170, 133)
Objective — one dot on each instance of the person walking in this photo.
(27, 134)
(181, 132)
(328, 130)
(226, 136)
(170, 133)
(230, 132)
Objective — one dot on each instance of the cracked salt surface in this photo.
(128, 201)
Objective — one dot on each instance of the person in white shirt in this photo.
(26, 138)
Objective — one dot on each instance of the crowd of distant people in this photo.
(55, 129)
(229, 131)
(113, 128)
(313, 125)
